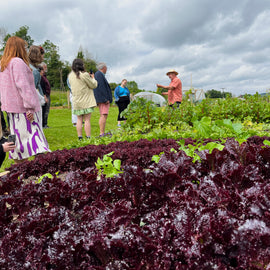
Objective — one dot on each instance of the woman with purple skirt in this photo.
(20, 100)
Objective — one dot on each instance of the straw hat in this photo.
(172, 71)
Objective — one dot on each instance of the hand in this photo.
(30, 116)
(92, 75)
(46, 99)
(158, 85)
(8, 146)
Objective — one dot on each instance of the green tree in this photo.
(54, 64)
(217, 94)
(57, 70)
(214, 94)
(133, 87)
(227, 94)
(89, 63)
(65, 71)
(113, 85)
(22, 33)
(80, 55)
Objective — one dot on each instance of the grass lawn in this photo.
(61, 130)
(62, 133)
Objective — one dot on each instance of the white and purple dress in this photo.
(30, 139)
(19, 96)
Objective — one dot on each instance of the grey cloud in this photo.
(259, 58)
(221, 43)
(174, 23)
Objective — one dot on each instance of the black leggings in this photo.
(176, 104)
(2, 153)
(122, 104)
(2, 157)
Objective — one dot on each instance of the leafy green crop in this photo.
(194, 150)
(108, 166)
(223, 128)
(156, 158)
(144, 115)
(38, 181)
(215, 119)
(266, 142)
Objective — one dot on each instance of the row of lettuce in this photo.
(193, 194)
(170, 212)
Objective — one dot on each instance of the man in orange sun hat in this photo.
(174, 89)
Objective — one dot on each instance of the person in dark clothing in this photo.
(4, 126)
(5, 146)
(46, 87)
(122, 99)
(3, 121)
(103, 96)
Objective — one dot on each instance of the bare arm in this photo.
(166, 87)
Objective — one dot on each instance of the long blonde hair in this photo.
(15, 47)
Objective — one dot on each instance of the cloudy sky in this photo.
(222, 45)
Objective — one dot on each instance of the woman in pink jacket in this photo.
(20, 100)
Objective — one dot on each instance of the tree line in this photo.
(58, 70)
(217, 94)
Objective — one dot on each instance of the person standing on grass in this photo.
(174, 89)
(122, 99)
(73, 116)
(20, 100)
(35, 56)
(46, 87)
(103, 95)
(82, 84)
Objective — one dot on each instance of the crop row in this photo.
(174, 214)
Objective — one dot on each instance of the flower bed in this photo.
(176, 214)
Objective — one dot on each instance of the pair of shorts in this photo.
(104, 108)
(83, 111)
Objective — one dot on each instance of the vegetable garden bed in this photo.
(213, 213)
